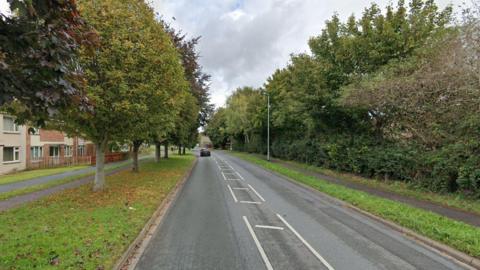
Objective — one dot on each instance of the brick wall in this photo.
(51, 136)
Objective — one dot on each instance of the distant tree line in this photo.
(394, 94)
(107, 70)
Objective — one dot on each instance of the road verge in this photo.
(133, 253)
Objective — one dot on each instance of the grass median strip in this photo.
(79, 229)
(30, 189)
(456, 234)
(28, 175)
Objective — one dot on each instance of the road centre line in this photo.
(240, 188)
(258, 194)
(269, 227)
(259, 246)
(315, 253)
(250, 202)
(233, 194)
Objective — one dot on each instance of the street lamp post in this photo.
(268, 127)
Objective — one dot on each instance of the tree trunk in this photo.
(99, 182)
(136, 147)
(166, 150)
(183, 151)
(179, 149)
(157, 152)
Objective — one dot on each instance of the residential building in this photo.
(50, 148)
(39, 148)
(13, 145)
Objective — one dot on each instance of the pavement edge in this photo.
(440, 248)
(132, 255)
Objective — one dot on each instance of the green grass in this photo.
(30, 189)
(456, 234)
(452, 200)
(31, 174)
(79, 229)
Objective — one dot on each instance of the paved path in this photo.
(33, 196)
(450, 212)
(232, 214)
(55, 177)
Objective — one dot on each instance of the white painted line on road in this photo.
(315, 253)
(233, 180)
(258, 194)
(228, 176)
(250, 202)
(224, 177)
(269, 227)
(240, 175)
(233, 194)
(259, 246)
(240, 188)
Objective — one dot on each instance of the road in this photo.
(234, 215)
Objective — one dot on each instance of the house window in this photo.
(81, 151)
(9, 124)
(36, 152)
(54, 151)
(68, 150)
(11, 154)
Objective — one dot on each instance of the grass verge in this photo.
(452, 200)
(456, 234)
(79, 229)
(30, 189)
(27, 175)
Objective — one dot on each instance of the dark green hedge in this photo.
(451, 169)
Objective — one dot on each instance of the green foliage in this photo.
(392, 95)
(216, 129)
(39, 58)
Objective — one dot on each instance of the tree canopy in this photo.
(39, 68)
(393, 94)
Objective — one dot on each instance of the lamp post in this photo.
(268, 123)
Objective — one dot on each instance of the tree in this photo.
(243, 117)
(39, 68)
(216, 129)
(197, 108)
(133, 77)
(198, 80)
(391, 94)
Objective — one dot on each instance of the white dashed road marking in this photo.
(256, 193)
(233, 194)
(269, 227)
(315, 253)
(250, 202)
(259, 246)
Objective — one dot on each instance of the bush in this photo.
(449, 169)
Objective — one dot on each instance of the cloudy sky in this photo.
(244, 41)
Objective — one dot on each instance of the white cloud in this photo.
(244, 41)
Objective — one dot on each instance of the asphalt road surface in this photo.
(234, 215)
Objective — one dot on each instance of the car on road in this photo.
(204, 152)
